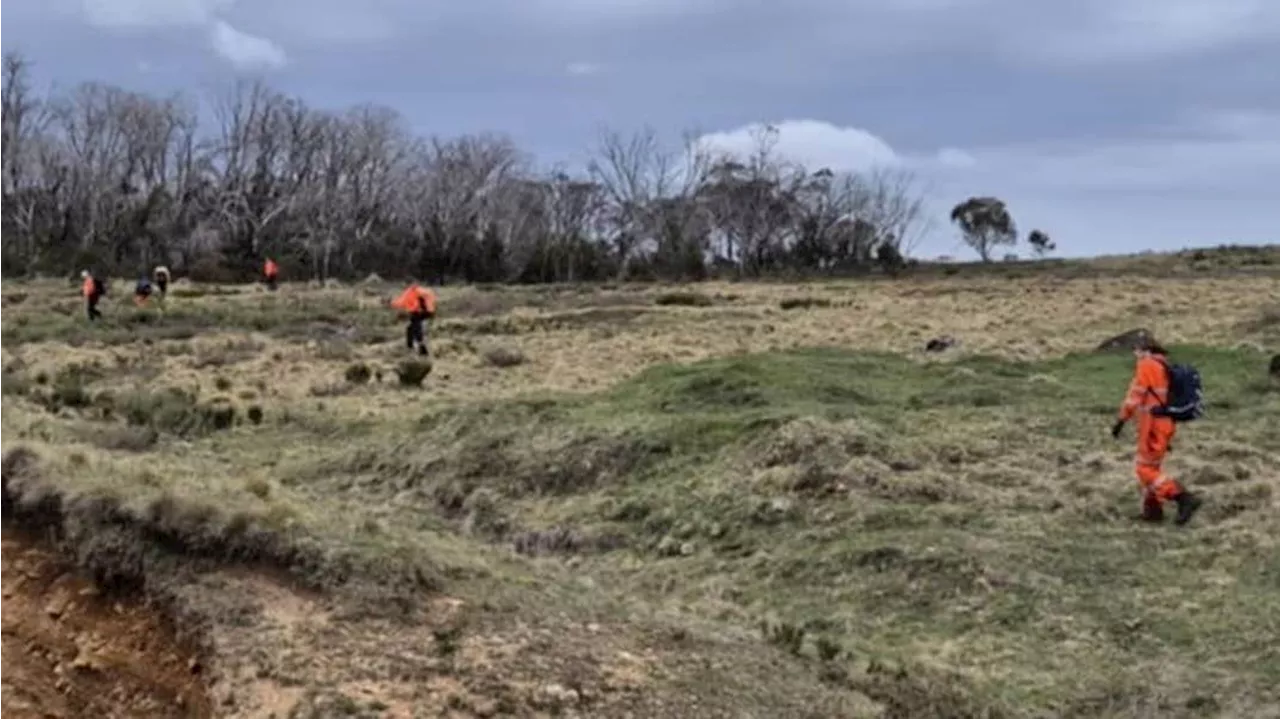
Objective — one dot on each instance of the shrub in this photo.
(176, 412)
(15, 383)
(504, 357)
(411, 373)
(828, 649)
(337, 350)
(125, 438)
(69, 388)
(784, 634)
(358, 373)
(684, 299)
(258, 487)
(254, 413)
(803, 303)
(222, 384)
(331, 389)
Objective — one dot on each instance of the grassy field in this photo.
(725, 499)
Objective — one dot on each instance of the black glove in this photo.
(1117, 428)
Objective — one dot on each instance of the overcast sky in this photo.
(1114, 125)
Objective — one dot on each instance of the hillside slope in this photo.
(714, 500)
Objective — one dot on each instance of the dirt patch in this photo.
(71, 651)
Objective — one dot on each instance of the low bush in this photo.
(411, 373)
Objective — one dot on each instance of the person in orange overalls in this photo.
(1149, 390)
(271, 271)
(420, 304)
(92, 290)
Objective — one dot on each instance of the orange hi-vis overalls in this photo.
(1148, 390)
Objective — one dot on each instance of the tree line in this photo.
(119, 181)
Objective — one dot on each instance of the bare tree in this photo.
(122, 180)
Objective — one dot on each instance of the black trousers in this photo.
(91, 308)
(415, 333)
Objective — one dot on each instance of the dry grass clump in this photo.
(175, 411)
(503, 357)
(358, 373)
(683, 299)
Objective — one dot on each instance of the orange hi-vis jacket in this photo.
(270, 269)
(1148, 389)
(416, 299)
(86, 287)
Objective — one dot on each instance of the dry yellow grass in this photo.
(938, 520)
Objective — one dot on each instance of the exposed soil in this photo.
(70, 651)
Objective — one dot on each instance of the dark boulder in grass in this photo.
(1126, 341)
(941, 344)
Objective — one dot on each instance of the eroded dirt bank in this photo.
(70, 651)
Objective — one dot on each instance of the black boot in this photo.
(1188, 503)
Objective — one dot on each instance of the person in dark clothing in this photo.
(420, 304)
(92, 289)
(142, 291)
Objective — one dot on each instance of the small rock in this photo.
(557, 695)
(86, 661)
(484, 707)
(668, 547)
(57, 605)
(686, 549)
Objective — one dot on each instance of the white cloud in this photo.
(245, 51)
(151, 13)
(812, 143)
(242, 50)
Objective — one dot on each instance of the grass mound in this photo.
(887, 506)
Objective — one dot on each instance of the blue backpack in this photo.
(1186, 401)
